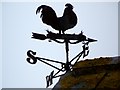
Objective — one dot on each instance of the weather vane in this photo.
(67, 21)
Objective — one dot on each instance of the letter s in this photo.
(31, 56)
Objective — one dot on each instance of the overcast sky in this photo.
(96, 20)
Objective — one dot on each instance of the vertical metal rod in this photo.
(67, 49)
(67, 65)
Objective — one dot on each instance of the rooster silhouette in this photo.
(49, 17)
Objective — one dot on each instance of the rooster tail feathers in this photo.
(48, 15)
(46, 11)
(39, 8)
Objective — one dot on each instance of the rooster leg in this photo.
(63, 31)
(59, 31)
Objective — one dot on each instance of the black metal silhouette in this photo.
(32, 59)
(49, 17)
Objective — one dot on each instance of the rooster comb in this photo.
(69, 5)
